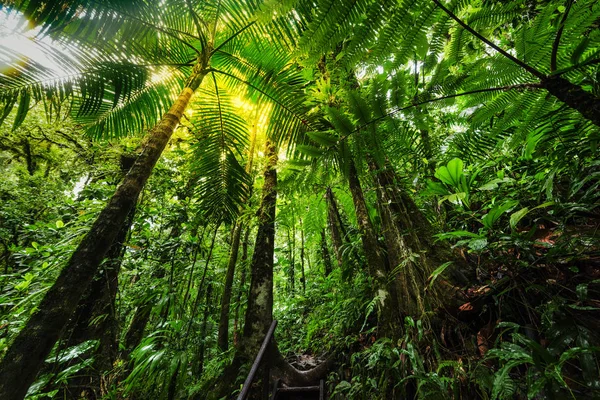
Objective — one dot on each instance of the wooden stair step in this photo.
(298, 389)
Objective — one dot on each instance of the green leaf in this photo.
(495, 213)
(438, 271)
(323, 138)
(517, 216)
(478, 244)
(580, 49)
(23, 108)
(60, 224)
(582, 291)
(452, 173)
(436, 188)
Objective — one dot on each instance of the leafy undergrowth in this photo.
(526, 327)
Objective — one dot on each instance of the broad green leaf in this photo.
(478, 244)
(451, 173)
(517, 216)
(495, 213)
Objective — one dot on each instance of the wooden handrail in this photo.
(263, 348)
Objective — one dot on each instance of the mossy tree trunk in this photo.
(27, 353)
(389, 316)
(95, 319)
(259, 312)
(412, 250)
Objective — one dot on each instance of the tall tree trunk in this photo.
(325, 254)
(335, 227)
(292, 264)
(238, 300)
(373, 253)
(303, 278)
(259, 312)
(32, 345)
(412, 250)
(201, 352)
(223, 338)
(95, 319)
(389, 314)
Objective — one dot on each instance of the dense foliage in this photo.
(409, 187)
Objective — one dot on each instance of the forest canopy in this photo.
(368, 199)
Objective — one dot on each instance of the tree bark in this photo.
(325, 254)
(95, 318)
(223, 337)
(259, 313)
(412, 250)
(32, 345)
(241, 288)
(335, 228)
(202, 350)
(303, 278)
(373, 253)
(292, 265)
(574, 96)
(389, 313)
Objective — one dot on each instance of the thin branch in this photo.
(520, 63)
(230, 38)
(451, 96)
(556, 43)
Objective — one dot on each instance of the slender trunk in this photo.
(241, 288)
(259, 312)
(223, 338)
(292, 278)
(201, 285)
(135, 332)
(428, 152)
(325, 254)
(335, 227)
(202, 350)
(27, 353)
(31, 165)
(303, 278)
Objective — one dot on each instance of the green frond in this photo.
(139, 111)
(271, 78)
(223, 185)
